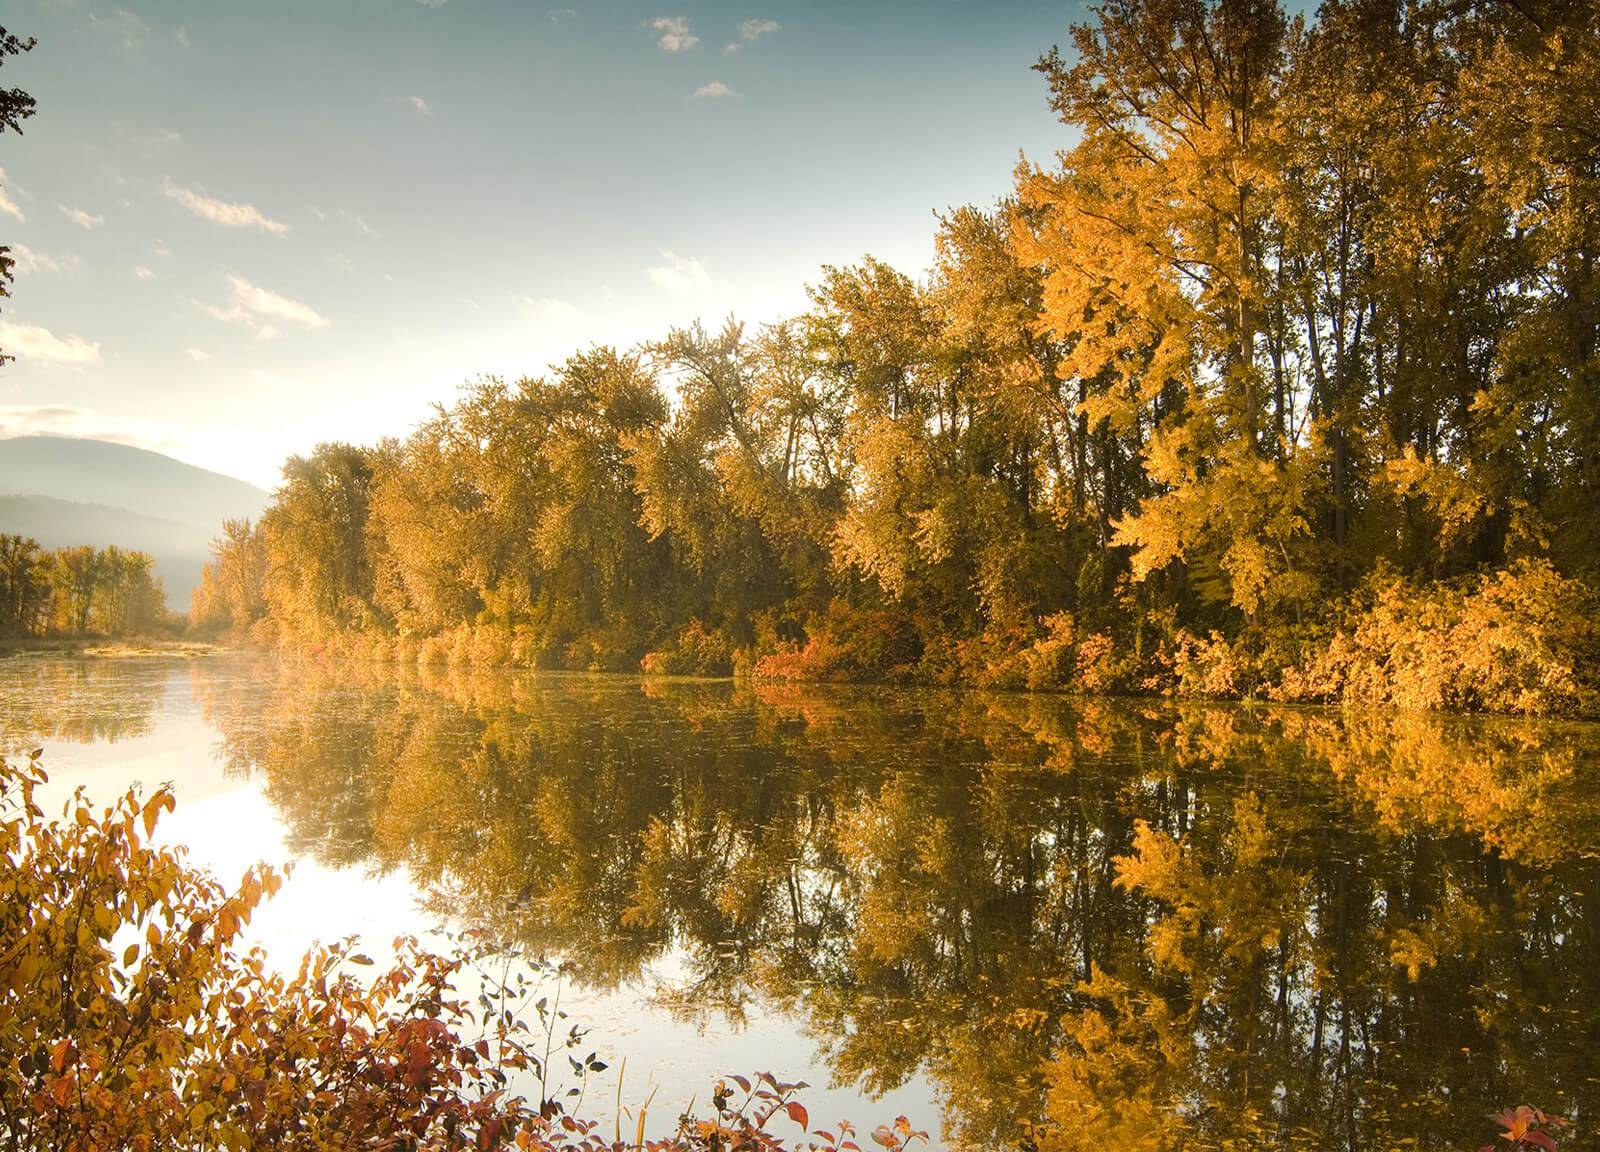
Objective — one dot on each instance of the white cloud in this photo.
(257, 307)
(32, 260)
(675, 34)
(29, 342)
(8, 205)
(160, 249)
(714, 91)
(548, 312)
(81, 218)
(685, 276)
(753, 30)
(226, 213)
(144, 273)
(433, 3)
(198, 355)
(560, 15)
(181, 36)
(420, 106)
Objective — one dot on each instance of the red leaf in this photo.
(1542, 1139)
(797, 1113)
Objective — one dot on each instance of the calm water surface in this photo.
(1182, 925)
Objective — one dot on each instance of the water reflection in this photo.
(1107, 924)
(80, 701)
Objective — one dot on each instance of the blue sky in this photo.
(243, 227)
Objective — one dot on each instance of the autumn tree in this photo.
(231, 594)
(319, 571)
(24, 591)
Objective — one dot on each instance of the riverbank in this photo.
(1520, 641)
(102, 647)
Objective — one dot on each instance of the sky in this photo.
(243, 228)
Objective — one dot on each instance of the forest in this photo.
(78, 591)
(1281, 379)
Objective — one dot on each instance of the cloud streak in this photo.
(67, 420)
(715, 90)
(7, 204)
(227, 213)
(685, 276)
(257, 308)
(32, 344)
(548, 312)
(82, 219)
(32, 260)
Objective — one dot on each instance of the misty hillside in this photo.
(178, 549)
(63, 491)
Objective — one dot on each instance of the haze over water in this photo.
(1339, 928)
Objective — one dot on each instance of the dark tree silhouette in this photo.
(15, 107)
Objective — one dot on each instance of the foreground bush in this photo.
(132, 1017)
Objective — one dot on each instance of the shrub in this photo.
(695, 652)
(849, 643)
(1209, 666)
(1523, 639)
(131, 1017)
(1051, 659)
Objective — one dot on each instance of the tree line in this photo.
(1283, 377)
(77, 591)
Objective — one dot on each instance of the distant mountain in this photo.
(64, 491)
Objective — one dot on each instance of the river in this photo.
(1186, 924)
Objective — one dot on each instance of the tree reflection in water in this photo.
(76, 701)
(1110, 924)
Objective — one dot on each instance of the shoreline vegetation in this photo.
(105, 647)
(1280, 380)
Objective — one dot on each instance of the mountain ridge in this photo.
(65, 490)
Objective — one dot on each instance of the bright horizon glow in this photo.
(242, 231)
